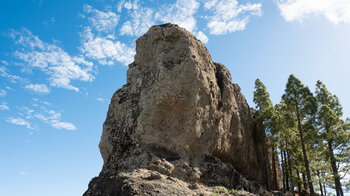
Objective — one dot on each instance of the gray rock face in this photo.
(178, 115)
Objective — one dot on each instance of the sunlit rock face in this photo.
(179, 116)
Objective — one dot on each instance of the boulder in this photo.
(178, 116)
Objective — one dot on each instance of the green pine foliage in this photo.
(311, 135)
(333, 131)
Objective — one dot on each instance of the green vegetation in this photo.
(221, 191)
(233, 192)
(224, 192)
(312, 138)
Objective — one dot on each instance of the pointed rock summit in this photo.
(178, 126)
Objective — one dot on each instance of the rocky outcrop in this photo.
(178, 117)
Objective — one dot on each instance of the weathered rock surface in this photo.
(178, 117)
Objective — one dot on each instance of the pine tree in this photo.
(264, 106)
(284, 129)
(332, 130)
(263, 118)
(303, 104)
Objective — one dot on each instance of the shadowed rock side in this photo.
(179, 125)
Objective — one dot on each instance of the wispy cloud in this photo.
(52, 60)
(19, 121)
(106, 50)
(100, 99)
(127, 5)
(38, 88)
(3, 93)
(62, 125)
(336, 11)
(40, 111)
(229, 16)
(4, 106)
(141, 19)
(201, 36)
(101, 21)
(180, 13)
(101, 37)
(98, 40)
(138, 18)
(50, 116)
(52, 20)
(4, 72)
(221, 16)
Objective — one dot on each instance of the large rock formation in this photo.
(179, 126)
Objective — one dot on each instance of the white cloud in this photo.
(52, 60)
(180, 13)
(210, 3)
(62, 125)
(106, 50)
(40, 117)
(142, 18)
(129, 5)
(229, 16)
(43, 112)
(101, 21)
(4, 106)
(120, 5)
(4, 72)
(101, 99)
(52, 20)
(19, 121)
(25, 112)
(38, 88)
(222, 16)
(3, 93)
(52, 118)
(336, 11)
(98, 40)
(201, 36)
(4, 62)
(54, 115)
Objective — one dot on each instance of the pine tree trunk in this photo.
(286, 168)
(283, 170)
(290, 171)
(299, 180)
(266, 164)
(324, 184)
(319, 182)
(304, 181)
(336, 177)
(275, 184)
(306, 161)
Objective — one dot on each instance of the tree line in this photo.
(310, 134)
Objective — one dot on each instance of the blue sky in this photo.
(61, 61)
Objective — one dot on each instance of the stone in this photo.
(177, 117)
